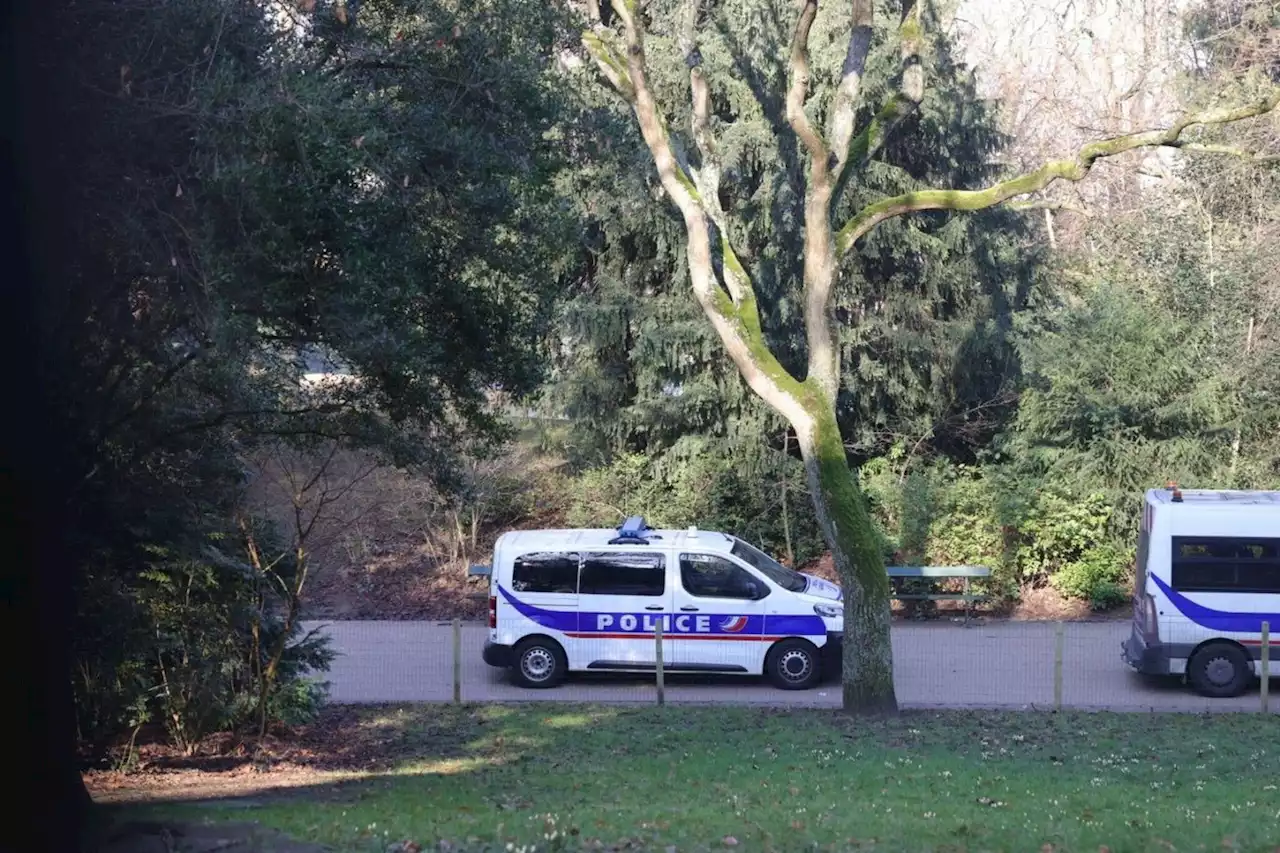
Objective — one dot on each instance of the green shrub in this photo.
(1058, 530)
(1095, 576)
(946, 514)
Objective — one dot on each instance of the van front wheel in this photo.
(540, 662)
(793, 665)
(1219, 670)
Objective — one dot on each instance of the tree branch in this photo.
(610, 64)
(799, 90)
(735, 317)
(707, 177)
(827, 182)
(863, 149)
(1074, 169)
(845, 105)
(1230, 150)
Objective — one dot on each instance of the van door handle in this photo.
(688, 607)
(653, 607)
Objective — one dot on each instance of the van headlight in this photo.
(829, 611)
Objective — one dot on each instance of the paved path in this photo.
(1002, 665)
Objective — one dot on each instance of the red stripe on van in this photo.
(638, 635)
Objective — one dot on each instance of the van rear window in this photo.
(545, 572)
(1226, 564)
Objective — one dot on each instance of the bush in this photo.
(1058, 531)
(946, 514)
(941, 514)
(1096, 576)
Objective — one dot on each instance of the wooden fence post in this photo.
(1266, 667)
(457, 661)
(1058, 637)
(657, 638)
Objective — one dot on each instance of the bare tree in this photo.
(1068, 71)
(315, 488)
(723, 286)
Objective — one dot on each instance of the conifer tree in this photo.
(829, 152)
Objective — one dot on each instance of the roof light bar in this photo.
(632, 532)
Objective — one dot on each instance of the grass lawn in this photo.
(571, 777)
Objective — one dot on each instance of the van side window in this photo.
(623, 573)
(708, 576)
(1226, 564)
(545, 572)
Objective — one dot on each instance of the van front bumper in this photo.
(1146, 658)
(832, 656)
(498, 655)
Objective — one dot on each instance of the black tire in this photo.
(1220, 670)
(539, 663)
(793, 665)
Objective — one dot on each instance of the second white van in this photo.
(1208, 580)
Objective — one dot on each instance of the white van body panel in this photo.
(625, 588)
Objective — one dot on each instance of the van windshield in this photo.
(769, 567)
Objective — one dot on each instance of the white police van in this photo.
(1208, 576)
(562, 601)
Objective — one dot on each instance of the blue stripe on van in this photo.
(1218, 620)
(724, 624)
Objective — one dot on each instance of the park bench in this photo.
(937, 573)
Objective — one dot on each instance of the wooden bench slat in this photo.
(938, 571)
(941, 597)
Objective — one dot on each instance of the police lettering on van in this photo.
(577, 600)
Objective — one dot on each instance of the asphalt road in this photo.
(1000, 665)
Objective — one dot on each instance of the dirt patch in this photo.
(1047, 605)
(344, 743)
(386, 544)
(248, 788)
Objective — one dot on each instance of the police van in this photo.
(564, 601)
(1207, 578)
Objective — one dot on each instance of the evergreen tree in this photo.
(734, 84)
(924, 311)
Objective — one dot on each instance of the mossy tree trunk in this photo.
(723, 287)
(846, 526)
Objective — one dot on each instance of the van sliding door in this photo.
(621, 597)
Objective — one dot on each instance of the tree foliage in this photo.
(926, 303)
(1151, 358)
(311, 232)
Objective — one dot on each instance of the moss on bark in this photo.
(855, 548)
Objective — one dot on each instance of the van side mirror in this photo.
(755, 591)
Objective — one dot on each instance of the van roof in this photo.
(1215, 497)
(579, 539)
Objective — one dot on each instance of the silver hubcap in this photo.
(794, 665)
(537, 664)
(1220, 671)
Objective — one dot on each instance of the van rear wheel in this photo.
(540, 663)
(793, 665)
(1220, 670)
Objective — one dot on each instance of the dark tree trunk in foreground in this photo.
(52, 804)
